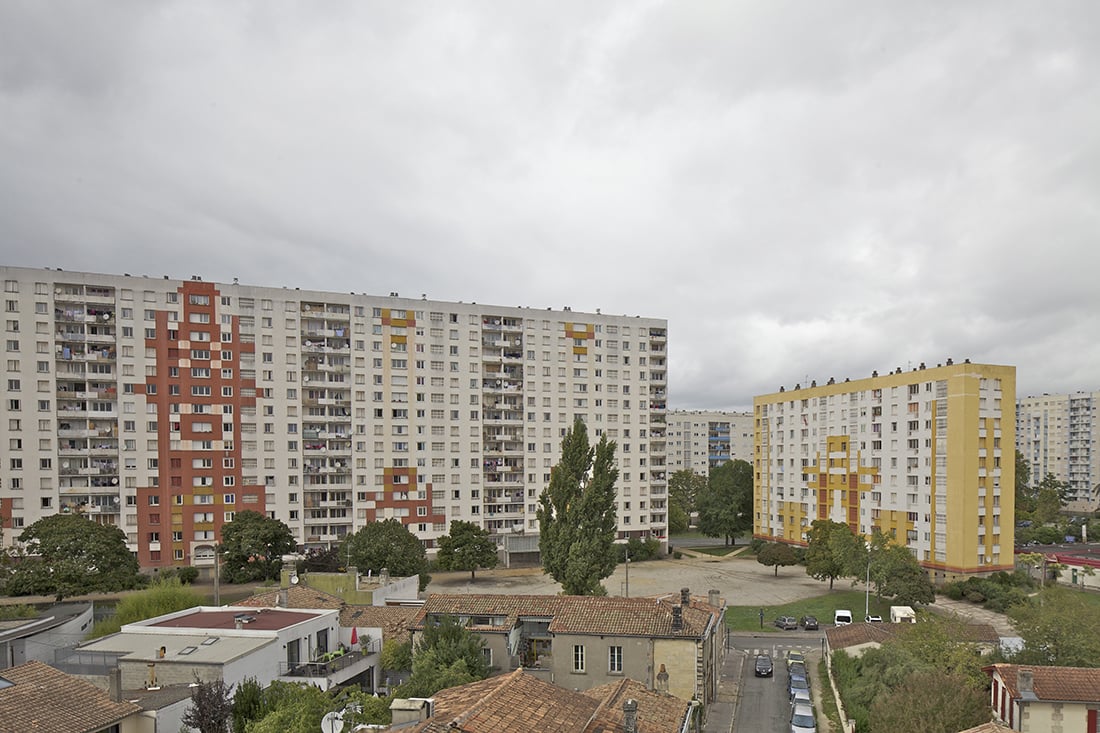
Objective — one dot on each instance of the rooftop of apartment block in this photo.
(253, 619)
(848, 384)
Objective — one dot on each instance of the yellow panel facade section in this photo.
(580, 331)
(926, 454)
(580, 349)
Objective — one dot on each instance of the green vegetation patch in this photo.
(747, 618)
(716, 551)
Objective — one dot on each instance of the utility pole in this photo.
(628, 572)
(217, 579)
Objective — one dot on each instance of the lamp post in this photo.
(627, 594)
(867, 590)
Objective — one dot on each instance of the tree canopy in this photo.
(388, 544)
(725, 503)
(253, 547)
(467, 547)
(288, 708)
(446, 655)
(166, 595)
(1058, 628)
(831, 547)
(68, 555)
(577, 518)
(211, 707)
(776, 554)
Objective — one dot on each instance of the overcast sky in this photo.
(803, 189)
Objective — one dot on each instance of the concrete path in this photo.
(721, 712)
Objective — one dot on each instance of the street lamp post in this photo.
(867, 591)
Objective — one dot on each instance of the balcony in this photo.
(332, 669)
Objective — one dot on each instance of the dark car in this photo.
(808, 622)
(787, 623)
(797, 669)
(797, 683)
(763, 665)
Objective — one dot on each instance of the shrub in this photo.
(188, 575)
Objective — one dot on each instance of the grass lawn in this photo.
(711, 550)
(747, 618)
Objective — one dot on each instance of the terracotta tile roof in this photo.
(842, 637)
(649, 617)
(522, 702)
(656, 713)
(298, 596)
(393, 620)
(991, 727)
(1064, 684)
(45, 700)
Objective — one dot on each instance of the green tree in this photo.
(577, 524)
(1025, 500)
(253, 547)
(725, 505)
(831, 547)
(776, 554)
(1058, 628)
(1049, 498)
(930, 701)
(467, 547)
(289, 708)
(446, 655)
(396, 656)
(68, 555)
(901, 577)
(248, 703)
(388, 544)
(166, 595)
(684, 487)
(211, 707)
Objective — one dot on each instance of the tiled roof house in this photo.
(1035, 698)
(672, 643)
(519, 701)
(36, 698)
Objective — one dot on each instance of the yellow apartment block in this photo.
(926, 455)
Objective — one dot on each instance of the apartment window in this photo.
(578, 658)
(615, 659)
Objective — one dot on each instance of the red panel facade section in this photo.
(853, 481)
(822, 479)
(199, 396)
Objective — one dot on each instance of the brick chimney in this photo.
(630, 716)
(1025, 683)
(114, 684)
(685, 596)
(714, 598)
(677, 618)
(284, 598)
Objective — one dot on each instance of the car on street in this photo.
(797, 669)
(842, 617)
(787, 623)
(802, 719)
(797, 683)
(794, 657)
(809, 623)
(763, 665)
(801, 697)
(873, 619)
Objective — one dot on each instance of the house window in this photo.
(615, 659)
(578, 658)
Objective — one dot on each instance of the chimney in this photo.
(114, 684)
(713, 597)
(685, 597)
(238, 624)
(677, 618)
(152, 674)
(1025, 682)
(630, 716)
(384, 576)
(284, 598)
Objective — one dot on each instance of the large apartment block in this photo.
(926, 455)
(164, 406)
(1057, 435)
(699, 440)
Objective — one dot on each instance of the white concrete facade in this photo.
(699, 440)
(1057, 435)
(354, 394)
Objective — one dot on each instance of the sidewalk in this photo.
(721, 712)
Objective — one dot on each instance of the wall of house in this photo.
(1053, 717)
(678, 656)
(637, 660)
(135, 673)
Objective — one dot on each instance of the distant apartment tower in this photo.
(926, 455)
(1057, 435)
(165, 406)
(699, 440)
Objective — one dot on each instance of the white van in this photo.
(842, 617)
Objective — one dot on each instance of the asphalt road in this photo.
(763, 704)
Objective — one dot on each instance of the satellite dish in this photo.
(294, 579)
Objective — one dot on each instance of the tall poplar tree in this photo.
(577, 519)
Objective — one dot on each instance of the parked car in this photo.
(809, 623)
(873, 619)
(797, 669)
(802, 719)
(797, 683)
(801, 697)
(787, 623)
(794, 657)
(842, 617)
(763, 665)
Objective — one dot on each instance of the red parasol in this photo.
(354, 635)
